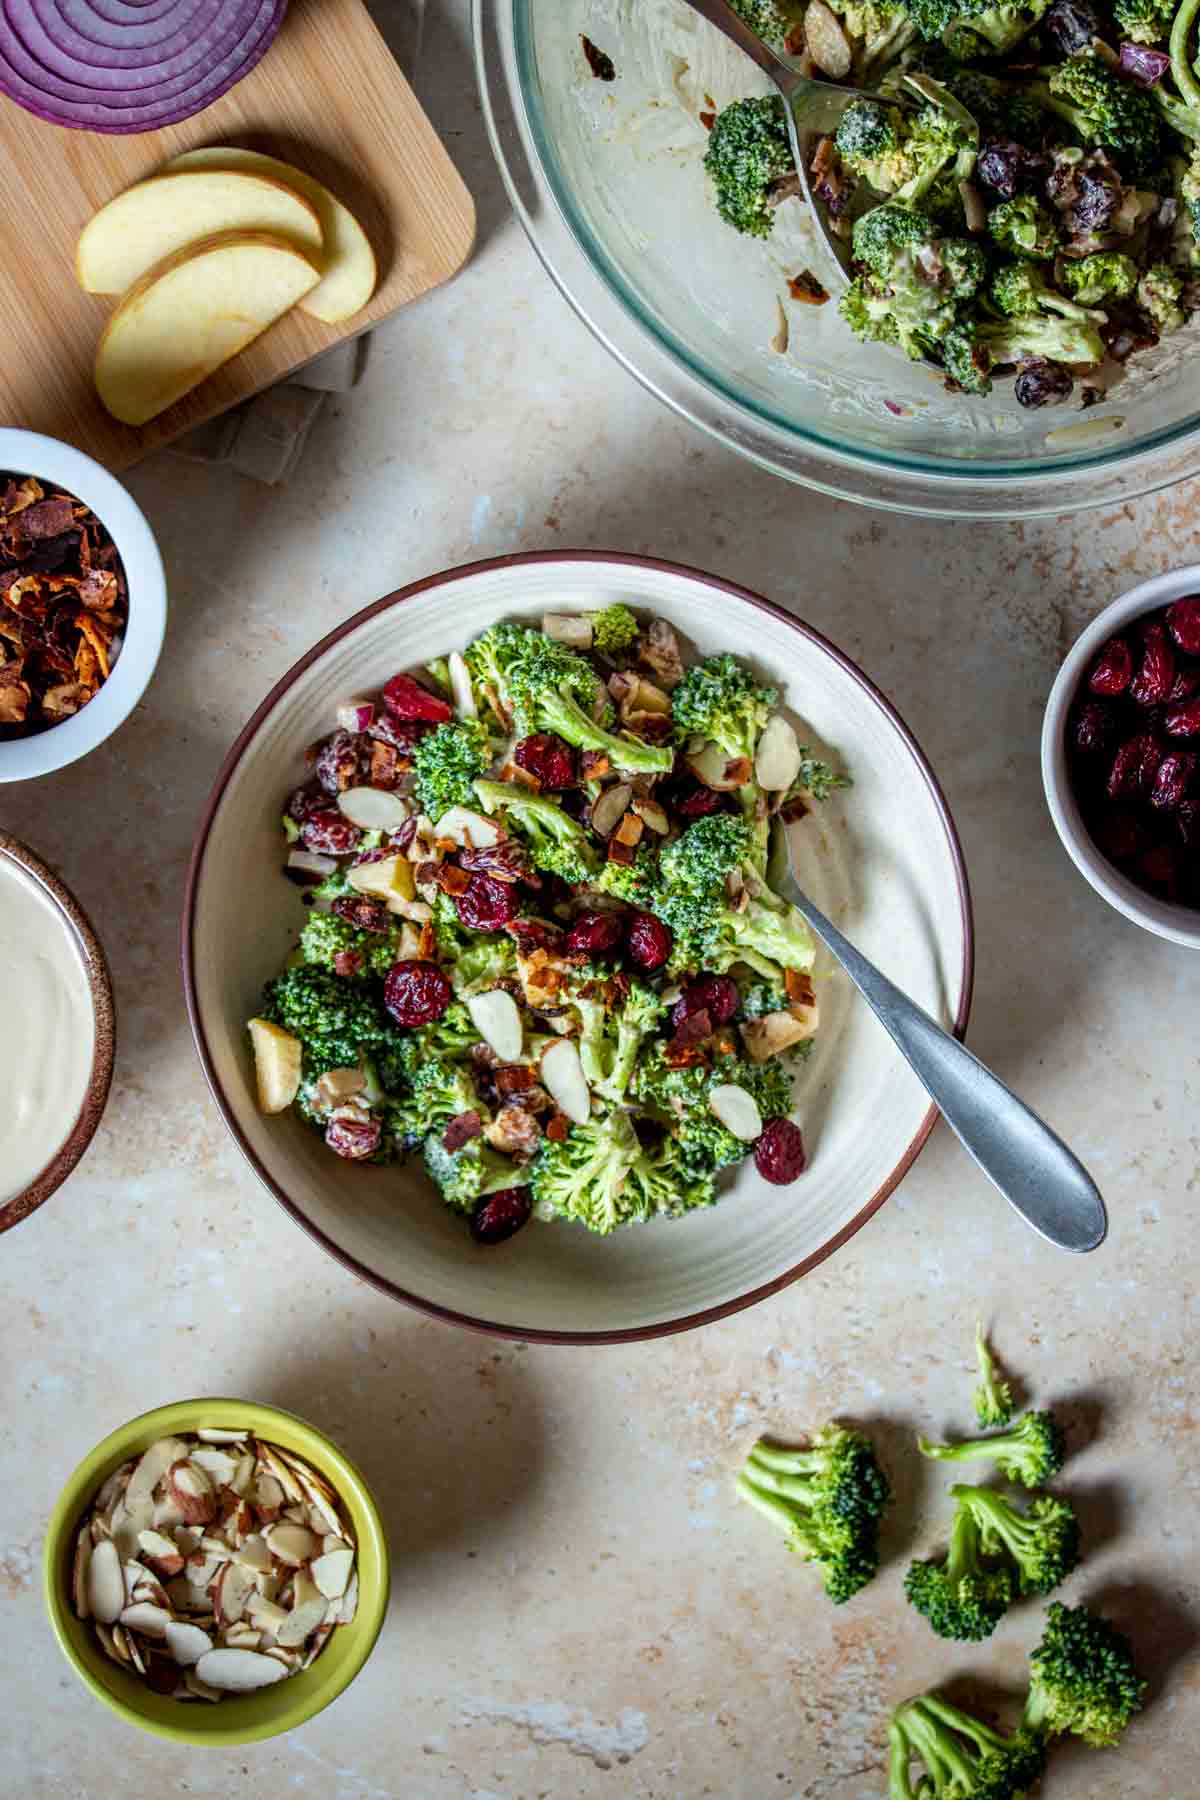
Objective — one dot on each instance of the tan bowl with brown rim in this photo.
(78, 1129)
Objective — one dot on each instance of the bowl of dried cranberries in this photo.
(1121, 755)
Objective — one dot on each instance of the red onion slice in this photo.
(83, 109)
(208, 31)
(145, 80)
(149, 24)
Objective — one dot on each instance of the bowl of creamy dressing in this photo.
(56, 1052)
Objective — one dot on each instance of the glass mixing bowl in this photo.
(607, 179)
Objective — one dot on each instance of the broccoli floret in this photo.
(871, 139)
(1095, 280)
(446, 762)
(943, 137)
(692, 899)
(961, 1597)
(816, 780)
(720, 699)
(992, 1397)
(401, 1053)
(970, 352)
(326, 937)
(336, 1020)
(615, 630)
(827, 1500)
(1105, 109)
(881, 237)
(681, 1096)
(1031, 1451)
(1020, 288)
(667, 1185)
(635, 1019)
(774, 20)
(557, 842)
(1082, 1679)
(748, 152)
(1022, 227)
(438, 1091)
(483, 965)
(1158, 294)
(760, 998)
(962, 1758)
(971, 27)
(633, 882)
(1042, 1544)
(585, 1177)
(465, 1175)
(1145, 21)
(1001, 109)
(879, 30)
(913, 279)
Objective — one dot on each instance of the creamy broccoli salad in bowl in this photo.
(484, 968)
(1018, 205)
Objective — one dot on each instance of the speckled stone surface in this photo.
(580, 1608)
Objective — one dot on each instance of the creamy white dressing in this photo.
(47, 1029)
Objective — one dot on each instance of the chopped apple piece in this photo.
(389, 879)
(276, 1065)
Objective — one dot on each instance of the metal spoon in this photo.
(1031, 1166)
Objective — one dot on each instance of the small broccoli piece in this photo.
(1042, 1544)
(871, 138)
(615, 630)
(816, 780)
(586, 1176)
(942, 138)
(438, 1091)
(401, 1053)
(1020, 288)
(483, 964)
(748, 153)
(963, 1758)
(760, 998)
(1083, 1679)
(667, 1185)
(633, 882)
(970, 352)
(336, 1020)
(326, 937)
(720, 699)
(1031, 1451)
(913, 279)
(1106, 109)
(465, 1175)
(557, 842)
(993, 1397)
(1144, 21)
(881, 236)
(704, 1145)
(972, 27)
(445, 764)
(960, 1596)
(869, 313)
(827, 1500)
(879, 30)
(1159, 292)
(1095, 280)
(1022, 227)
(635, 1019)
(692, 899)
(775, 20)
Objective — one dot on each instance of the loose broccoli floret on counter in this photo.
(748, 154)
(1023, 228)
(445, 764)
(614, 630)
(961, 1758)
(960, 1595)
(1106, 109)
(1097, 279)
(336, 1020)
(327, 941)
(1032, 1451)
(775, 20)
(992, 1397)
(970, 352)
(1020, 290)
(1158, 294)
(585, 1177)
(693, 899)
(557, 843)
(827, 1499)
(1083, 1679)
(465, 1175)
(1042, 1545)
(1145, 21)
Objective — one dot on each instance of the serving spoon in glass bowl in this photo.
(1035, 1171)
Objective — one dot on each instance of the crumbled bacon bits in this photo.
(807, 289)
(63, 605)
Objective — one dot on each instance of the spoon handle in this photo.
(1029, 1163)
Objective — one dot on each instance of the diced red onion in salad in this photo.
(1143, 65)
(356, 715)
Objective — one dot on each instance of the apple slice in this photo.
(348, 260)
(276, 1065)
(156, 218)
(190, 314)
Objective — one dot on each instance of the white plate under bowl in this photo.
(883, 857)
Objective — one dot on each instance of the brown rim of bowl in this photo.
(616, 560)
(104, 1014)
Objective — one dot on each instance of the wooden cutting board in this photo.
(328, 96)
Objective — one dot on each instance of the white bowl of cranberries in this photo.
(1121, 755)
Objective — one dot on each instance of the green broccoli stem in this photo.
(1181, 67)
(782, 1516)
(560, 713)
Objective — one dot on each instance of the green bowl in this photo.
(240, 1718)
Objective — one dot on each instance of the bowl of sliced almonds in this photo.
(216, 1571)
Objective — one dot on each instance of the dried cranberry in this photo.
(779, 1152)
(547, 757)
(1176, 772)
(1072, 25)
(341, 760)
(1112, 670)
(693, 1028)
(649, 943)
(1041, 383)
(698, 802)
(500, 1215)
(328, 833)
(1183, 622)
(1094, 728)
(353, 1134)
(1156, 677)
(1183, 721)
(1006, 167)
(310, 799)
(405, 698)
(348, 963)
(1159, 867)
(1135, 766)
(1120, 834)
(716, 994)
(416, 993)
(596, 932)
(1187, 686)
(366, 914)
(486, 904)
(1188, 821)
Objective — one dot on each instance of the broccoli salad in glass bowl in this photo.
(541, 951)
(1030, 207)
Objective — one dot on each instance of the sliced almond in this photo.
(231, 1590)
(252, 1553)
(468, 829)
(497, 1019)
(711, 766)
(218, 1465)
(283, 1472)
(192, 1491)
(166, 1516)
(292, 1544)
(777, 758)
(238, 1671)
(349, 1604)
(107, 1642)
(106, 1583)
(827, 42)
(268, 1497)
(152, 1467)
(265, 1614)
(334, 1541)
(112, 1489)
(574, 629)
(151, 1589)
(652, 814)
(151, 1621)
(336, 1085)
(461, 691)
(187, 1538)
(565, 1082)
(200, 1689)
(317, 1645)
(609, 809)
(127, 1520)
(243, 1637)
(186, 1643)
(212, 1434)
(302, 1619)
(79, 1575)
(772, 1034)
(737, 1110)
(332, 1571)
(373, 809)
(243, 1475)
(163, 1555)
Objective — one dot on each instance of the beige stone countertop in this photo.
(580, 1607)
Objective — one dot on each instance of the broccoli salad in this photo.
(1033, 207)
(541, 951)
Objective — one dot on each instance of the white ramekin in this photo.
(29, 453)
(1181, 924)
